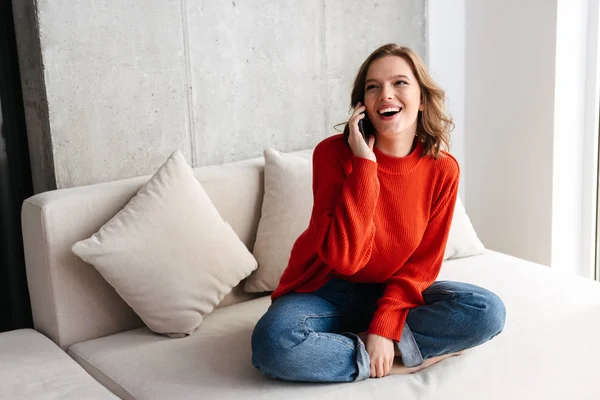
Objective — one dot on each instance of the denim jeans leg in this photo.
(298, 339)
(409, 349)
(456, 316)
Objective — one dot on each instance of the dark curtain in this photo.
(15, 308)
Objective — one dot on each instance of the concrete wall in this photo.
(112, 87)
(34, 95)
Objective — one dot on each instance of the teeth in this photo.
(389, 109)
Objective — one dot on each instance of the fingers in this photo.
(359, 147)
(357, 114)
(381, 354)
(358, 111)
(377, 369)
(381, 367)
(390, 363)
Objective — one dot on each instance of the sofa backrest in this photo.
(70, 300)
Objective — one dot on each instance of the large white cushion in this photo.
(32, 367)
(548, 350)
(168, 253)
(286, 209)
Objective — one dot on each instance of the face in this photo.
(392, 96)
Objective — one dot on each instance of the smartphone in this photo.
(364, 126)
(361, 127)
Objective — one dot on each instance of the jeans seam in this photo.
(308, 331)
(450, 293)
(332, 337)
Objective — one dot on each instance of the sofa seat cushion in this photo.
(33, 367)
(548, 349)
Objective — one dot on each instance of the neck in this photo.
(399, 146)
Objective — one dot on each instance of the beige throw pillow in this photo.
(462, 239)
(286, 210)
(168, 253)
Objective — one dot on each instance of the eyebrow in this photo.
(393, 77)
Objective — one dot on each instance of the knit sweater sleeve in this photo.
(343, 209)
(404, 289)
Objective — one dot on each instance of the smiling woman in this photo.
(359, 297)
(398, 71)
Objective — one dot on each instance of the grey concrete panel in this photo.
(354, 29)
(116, 86)
(34, 96)
(113, 87)
(258, 76)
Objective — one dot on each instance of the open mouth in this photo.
(390, 111)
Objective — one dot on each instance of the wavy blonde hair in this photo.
(434, 124)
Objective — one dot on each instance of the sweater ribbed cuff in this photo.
(360, 164)
(388, 324)
(364, 173)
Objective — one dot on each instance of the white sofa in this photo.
(32, 368)
(549, 348)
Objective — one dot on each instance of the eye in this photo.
(369, 87)
(401, 83)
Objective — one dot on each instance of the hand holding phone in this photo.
(360, 142)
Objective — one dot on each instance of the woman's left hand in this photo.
(381, 352)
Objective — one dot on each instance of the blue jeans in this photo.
(311, 337)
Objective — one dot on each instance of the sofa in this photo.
(102, 348)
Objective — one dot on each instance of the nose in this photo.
(387, 92)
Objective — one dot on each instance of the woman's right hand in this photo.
(355, 139)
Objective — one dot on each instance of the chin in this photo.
(393, 132)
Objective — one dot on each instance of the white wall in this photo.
(569, 135)
(446, 50)
(510, 69)
(590, 140)
(531, 93)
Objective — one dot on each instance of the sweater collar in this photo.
(399, 165)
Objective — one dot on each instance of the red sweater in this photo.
(384, 221)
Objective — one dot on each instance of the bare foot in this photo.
(398, 368)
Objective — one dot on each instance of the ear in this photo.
(421, 107)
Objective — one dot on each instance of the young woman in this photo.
(358, 298)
